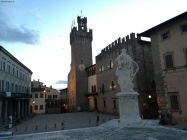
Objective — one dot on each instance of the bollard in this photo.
(89, 120)
(55, 125)
(36, 127)
(63, 125)
(15, 128)
(118, 121)
(96, 123)
(46, 126)
(26, 128)
(103, 120)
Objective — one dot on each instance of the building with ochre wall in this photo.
(169, 51)
(44, 99)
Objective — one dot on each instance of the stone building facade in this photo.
(107, 84)
(15, 86)
(92, 87)
(95, 87)
(169, 51)
(63, 100)
(44, 99)
(81, 57)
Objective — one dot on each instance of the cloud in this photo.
(12, 33)
(60, 82)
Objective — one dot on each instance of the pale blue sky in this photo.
(37, 31)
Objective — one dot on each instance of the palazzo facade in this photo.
(15, 86)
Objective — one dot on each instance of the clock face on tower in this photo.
(81, 67)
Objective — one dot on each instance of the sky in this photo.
(37, 32)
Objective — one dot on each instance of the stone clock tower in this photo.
(81, 57)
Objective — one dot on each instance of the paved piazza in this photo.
(72, 121)
(111, 130)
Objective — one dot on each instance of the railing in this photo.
(14, 95)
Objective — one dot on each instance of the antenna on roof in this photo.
(81, 13)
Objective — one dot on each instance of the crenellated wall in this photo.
(140, 51)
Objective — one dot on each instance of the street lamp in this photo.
(149, 96)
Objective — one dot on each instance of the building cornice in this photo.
(13, 58)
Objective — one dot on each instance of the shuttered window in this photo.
(169, 61)
(174, 102)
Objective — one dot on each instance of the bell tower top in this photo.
(82, 23)
(80, 34)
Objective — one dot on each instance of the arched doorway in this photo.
(31, 111)
(9, 109)
(95, 102)
(153, 109)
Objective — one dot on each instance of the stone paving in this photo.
(111, 130)
(72, 121)
(108, 132)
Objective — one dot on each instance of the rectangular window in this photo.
(104, 103)
(13, 71)
(174, 102)
(102, 68)
(36, 107)
(9, 69)
(114, 103)
(41, 107)
(49, 96)
(165, 36)
(36, 95)
(41, 95)
(54, 96)
(169, 61)
(184, 28)
(4, 66)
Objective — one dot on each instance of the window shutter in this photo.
(169, 61)
(174, 102)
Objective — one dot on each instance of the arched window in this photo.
(112, 85)
(52, 105)
(56, 105)
(111, 64)
(103, 88)
(153, 85)
(102, 68)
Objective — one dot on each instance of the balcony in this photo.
(14, 95)
(52, 100)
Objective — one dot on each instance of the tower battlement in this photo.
(81, 34)
(118, 44)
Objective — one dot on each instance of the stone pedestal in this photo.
(128, 108)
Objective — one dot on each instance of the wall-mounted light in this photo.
(149, 96)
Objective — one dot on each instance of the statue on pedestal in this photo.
(126, 71)
(128, 99)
